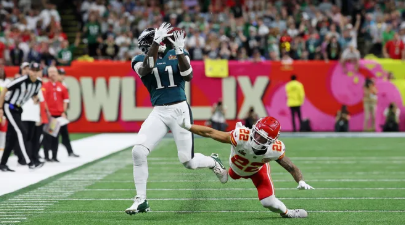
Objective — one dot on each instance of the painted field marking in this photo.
(226, 199)
(234, 189)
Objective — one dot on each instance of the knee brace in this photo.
(139, 154)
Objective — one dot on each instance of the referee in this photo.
(13, 96)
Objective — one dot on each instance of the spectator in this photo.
(218, 120)
(295, 98)
(342, 120)
(47, 59)
(333, 50)
(391, 115)
(92, 30)
(350, 55)
(34, 55)
(313, 46)
(251, 118)
(394, 48)
(16, 54)
(370, 103)
(376, 31)
(65, 55)
(109, 49)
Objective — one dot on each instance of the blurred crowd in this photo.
(253, 30)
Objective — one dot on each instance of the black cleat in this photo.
(54, 160)
(73, 155)
(5, 168)
(36, 165)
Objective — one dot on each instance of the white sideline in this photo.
(89, 149)
(234, 189)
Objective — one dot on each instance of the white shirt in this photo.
(32, 111)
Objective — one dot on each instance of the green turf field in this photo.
(357, 181)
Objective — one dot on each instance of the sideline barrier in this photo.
(109, 97)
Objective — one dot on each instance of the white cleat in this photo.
(140, 205)
(295, 213)
(219, 169)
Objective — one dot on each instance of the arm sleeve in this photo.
(136, 63)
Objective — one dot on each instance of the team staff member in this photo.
(13, 96)
(295, 98)
(64, 129)
(57, 99)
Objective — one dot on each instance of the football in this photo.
(167, 42)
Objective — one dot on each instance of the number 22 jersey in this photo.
(243, 161)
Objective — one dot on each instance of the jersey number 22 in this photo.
(169, 71)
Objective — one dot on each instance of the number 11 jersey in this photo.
(243, 161)
(165, 83)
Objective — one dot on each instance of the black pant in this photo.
(295, 110)
(65, 138)
(32, 139)
(51, 143)
(92, 47)
(15, 136)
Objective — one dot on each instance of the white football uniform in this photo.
(243, 161)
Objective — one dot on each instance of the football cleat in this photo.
(140, 205)
(295, 213)
(219, 169)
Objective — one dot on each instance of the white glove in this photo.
(162, 32)
(181, 119)
(304, 186)
(178, 43)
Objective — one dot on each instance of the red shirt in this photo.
(2, 48)
(394, 49)
(55, 95)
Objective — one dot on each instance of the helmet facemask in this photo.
(145, 41)
(260, 141)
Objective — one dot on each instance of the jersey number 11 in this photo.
(169, 71)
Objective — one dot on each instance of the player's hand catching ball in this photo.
(181, 119)
(302, 185)
(162, 32)
(178, 43)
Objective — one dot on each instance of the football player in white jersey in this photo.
(251, 152)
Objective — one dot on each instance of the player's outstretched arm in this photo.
(186, 71)
(204, 131)
(288, 165)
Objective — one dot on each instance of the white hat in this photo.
(24, 64)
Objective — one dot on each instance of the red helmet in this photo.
(264, 133)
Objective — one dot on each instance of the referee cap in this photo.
(24, 64)
(35, 66)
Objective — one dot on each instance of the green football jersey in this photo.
(165, 84)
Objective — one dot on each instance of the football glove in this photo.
(178, 43)
(304, 186)
(162, 32)
(181, 119)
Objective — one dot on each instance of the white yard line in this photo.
(290, 180)
(234, 189)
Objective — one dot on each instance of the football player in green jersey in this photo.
(164, 73)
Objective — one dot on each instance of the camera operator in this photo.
(218, 120)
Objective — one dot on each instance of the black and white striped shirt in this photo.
(22, 89)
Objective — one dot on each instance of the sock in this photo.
(2, 140)
(200, 161)
(139, 156)
(274, 205)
